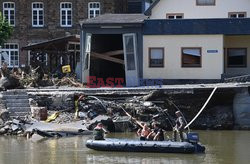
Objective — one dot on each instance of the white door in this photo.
(86, 66)
(130, 59)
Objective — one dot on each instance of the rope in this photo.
(202, 108)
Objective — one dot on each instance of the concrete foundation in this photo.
(241, 108)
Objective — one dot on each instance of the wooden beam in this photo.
(113, 53)
(104, 57)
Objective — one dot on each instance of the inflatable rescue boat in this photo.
(127, 145)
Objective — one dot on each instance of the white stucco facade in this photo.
(212, 63)
(192, 11)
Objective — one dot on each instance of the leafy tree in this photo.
(5, 30)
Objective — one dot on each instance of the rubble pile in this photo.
(13, 127)
(67, 81)
(119, 114)
(34, 77)
(63, 117)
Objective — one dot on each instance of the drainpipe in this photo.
(81, 52)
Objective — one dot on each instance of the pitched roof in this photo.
(59, 43)
(116, 19)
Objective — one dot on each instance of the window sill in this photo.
(156, 66)
(245, 66)
(191, 66)
(37, 26)
(66, 26)
(205, 5)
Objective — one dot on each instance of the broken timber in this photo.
(107, 56)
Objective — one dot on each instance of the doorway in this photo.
(107, 57)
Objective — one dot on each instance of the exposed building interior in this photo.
(52, 54)
(107, 59)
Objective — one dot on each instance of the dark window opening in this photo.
(175, 16)
(236, 57)
(237, 14)
(205, 2)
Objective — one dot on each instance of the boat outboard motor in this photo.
(193, 137)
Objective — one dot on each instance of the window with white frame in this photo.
(205, 2)
(9, 12)
(94, 9)
(37, 14)
(175, 16)
(237, 14)
(66, 14)
(10, 54)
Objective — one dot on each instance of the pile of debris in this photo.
(9, 126)
(34, 77)
(119, 114)
(13, 127)
(67, 81)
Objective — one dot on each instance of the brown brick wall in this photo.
(24, 33)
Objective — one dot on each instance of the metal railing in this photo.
(243, 78)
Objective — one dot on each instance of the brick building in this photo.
(41, 20)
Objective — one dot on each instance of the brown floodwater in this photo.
(222, 147)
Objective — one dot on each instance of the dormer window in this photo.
(237, 14)
(205, 2)
(175, 16)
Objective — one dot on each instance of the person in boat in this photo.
(99, 132)
(156, 134)
(144, 132)
(179, 127)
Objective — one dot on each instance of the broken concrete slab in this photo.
(71, 127)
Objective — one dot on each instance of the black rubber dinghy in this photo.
(123, 145)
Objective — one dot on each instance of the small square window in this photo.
(156, 57)
(237, 14)
(191, 57)
(179, 17)
(241, 15)
(174, 15)
(205, 2)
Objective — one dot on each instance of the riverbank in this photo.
(226, 110)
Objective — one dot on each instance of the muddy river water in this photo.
(224, 147)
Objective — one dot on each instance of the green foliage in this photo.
(5, 30)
